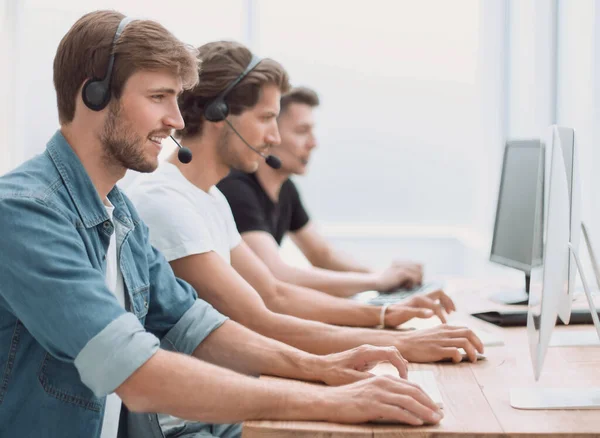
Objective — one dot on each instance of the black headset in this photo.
(218, 110)
(96, 92)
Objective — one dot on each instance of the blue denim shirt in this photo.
(65, 342)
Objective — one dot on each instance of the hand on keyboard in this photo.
(420, 306)
(400, 274)
(355, 364)
(439, 343)
(382, 398)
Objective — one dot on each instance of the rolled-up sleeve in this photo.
(49, 283)
(111, 356)
(193, 327)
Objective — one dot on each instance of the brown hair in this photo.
(222, 63)
(84, 52)
(302, 95)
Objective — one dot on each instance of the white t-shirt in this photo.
(182, 218)
(114, 281)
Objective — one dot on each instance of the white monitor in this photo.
(548, 281)
(571, 159)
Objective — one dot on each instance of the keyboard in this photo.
(427, 381)
(424, 378)
(379, 299)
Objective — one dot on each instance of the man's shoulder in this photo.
(160, 188)
(238, 177)
(239, 184)
(36, 179)
(288, 190)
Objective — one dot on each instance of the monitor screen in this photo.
(520, 206)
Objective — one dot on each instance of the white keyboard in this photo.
(424, 378)
(427, 381)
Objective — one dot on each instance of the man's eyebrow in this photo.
(166, 90)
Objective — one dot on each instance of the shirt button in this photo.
(106, 224)
(146, 304)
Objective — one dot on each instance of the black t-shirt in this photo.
(253, 210)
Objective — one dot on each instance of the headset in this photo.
(96, 92)
(218, 110)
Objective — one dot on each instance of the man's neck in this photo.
(205, 170)
(271, 180)
(88, 148)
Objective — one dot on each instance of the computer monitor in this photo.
(571, 160)
(548, 284)
(519, 214)
(550, 278)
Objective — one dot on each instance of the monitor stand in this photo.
(514, 296)
(564, 398)
(581, 338)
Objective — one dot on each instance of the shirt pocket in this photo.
(140, 302)
(61, 380)
(136, 276)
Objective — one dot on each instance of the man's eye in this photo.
(157, 97)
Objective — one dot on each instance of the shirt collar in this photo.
(90, 207)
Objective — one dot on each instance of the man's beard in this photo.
(229, 156)
(121, 145)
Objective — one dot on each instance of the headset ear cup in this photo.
(216, 111)
(95, 95)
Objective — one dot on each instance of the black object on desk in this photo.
(518, 318)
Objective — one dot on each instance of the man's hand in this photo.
(400, 274)
(440, 343)
(420, 306)
(353, 365)
(381, 398)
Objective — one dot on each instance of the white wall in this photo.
(398, 125)
(8, 151)
(578, 98)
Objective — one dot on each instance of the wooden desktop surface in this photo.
(476, 396)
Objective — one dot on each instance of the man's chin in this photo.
(300, 170)
(247, 168)
(146, 167)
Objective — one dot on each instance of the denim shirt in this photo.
(65, 342)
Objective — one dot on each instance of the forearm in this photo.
(319, 338)
(310, 336)
(239, 348)
(339, 261)
(317, 306)
(195, 390)
(339, 284)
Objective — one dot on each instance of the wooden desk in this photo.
(476, 396)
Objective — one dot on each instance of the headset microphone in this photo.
(271, 160)
(184, 155)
